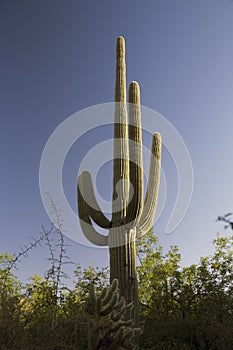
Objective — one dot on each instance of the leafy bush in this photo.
(185, 308)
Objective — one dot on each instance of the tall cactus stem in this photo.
(135, 155)
(132, 217)
(121, 149)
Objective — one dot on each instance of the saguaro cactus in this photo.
(132, 216)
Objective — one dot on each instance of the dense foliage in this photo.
(180, 307)
(186, 307)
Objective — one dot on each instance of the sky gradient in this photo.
(58, 57)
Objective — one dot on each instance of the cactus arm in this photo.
(92, 206)
(132, 217)
(147, 218)
(135, 155)
(91, 234)
(121, 149)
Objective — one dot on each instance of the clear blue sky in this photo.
(58, 57)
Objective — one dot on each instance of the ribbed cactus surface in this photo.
(132, 215)
(108, 328)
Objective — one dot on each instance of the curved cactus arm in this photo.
(93, 208)
(135, 155)
(148, 214)
(121, 149)
(91, 234)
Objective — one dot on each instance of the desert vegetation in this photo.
(181, 307)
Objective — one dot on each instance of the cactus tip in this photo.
(134, 84)
(134, 92)
(120, 39)
(121, 43)
(157, 136)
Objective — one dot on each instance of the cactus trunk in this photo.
(123, 267)
(132, 216)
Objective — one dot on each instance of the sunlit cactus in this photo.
(108, 328)
(132, 216)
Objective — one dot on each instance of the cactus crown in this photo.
(129, 209)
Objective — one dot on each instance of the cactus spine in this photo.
(132, 216)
